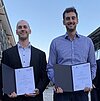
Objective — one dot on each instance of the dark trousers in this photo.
(98, 94)
(23, 98)
(71, 96)
(94, 96)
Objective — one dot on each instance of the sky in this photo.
(45, 18)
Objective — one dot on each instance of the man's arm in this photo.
(51, 61)
(44, 80)
(92, 60)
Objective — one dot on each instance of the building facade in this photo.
(6, 35)
(95, 36)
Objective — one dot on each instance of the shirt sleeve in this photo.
(51, 61)
(92, 60)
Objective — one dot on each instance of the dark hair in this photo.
(70, 9)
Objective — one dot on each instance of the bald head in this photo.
(23, 30)
(22, 21)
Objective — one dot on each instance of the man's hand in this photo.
(36, 92)
(87, 89)
(58, 89)
(12, 95)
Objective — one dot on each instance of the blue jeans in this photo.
(71, 96)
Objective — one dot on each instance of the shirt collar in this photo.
(77, 35)
(20, 46)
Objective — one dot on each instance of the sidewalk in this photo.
(48, 94)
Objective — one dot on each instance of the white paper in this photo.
(25, 83)
(81, 76)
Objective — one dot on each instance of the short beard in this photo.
(23, 38)
(71, 30)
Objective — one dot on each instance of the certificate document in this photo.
(72, 77)
(81, 76)
(25, 82)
